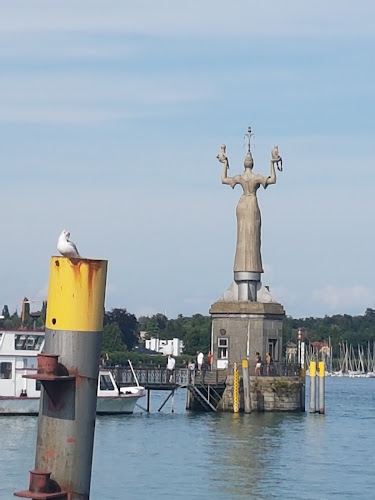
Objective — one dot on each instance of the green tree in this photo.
(15, 321)
(112, 339)
(198, 334)
(5, 312)
(127, 324)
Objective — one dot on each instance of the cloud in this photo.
(86, 97)
(338, 299)
(146, 311)
(59, 114)
(154, 88)
(58, 47)
(195, 18)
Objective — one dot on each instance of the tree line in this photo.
(122, 330)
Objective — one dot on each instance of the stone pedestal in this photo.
(241, 329)
(280, 394)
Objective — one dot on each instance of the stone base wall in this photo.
(246, 328)
(268, 394)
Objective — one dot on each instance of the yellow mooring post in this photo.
(312, 372)
(321, 378)
(236, 402)
(68, 370)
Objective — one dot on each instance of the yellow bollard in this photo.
(236, 405)
(76, 294)
(312, 372)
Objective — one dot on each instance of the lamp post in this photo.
(299, 345)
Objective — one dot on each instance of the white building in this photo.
(172, 346)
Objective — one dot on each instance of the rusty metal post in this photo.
(73, 336)
(246, 386)
(321, 394)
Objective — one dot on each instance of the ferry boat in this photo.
(20, 396)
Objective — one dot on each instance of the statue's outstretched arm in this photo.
(271, 179)
(275, 160)
(222, 157)
(224, 172)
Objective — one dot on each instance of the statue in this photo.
(248, 260)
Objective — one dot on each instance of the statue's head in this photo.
(249, 162)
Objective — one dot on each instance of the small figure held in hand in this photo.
(221, 156)
(276, 158)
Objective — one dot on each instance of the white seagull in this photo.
(66, 247)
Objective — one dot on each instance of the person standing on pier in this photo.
(258, 364)
(171, 363)
(268, 362)
(210, 357)
(200, 360)
(191, 369)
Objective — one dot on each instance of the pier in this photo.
(205, 389)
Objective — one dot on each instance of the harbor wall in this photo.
(285, 394)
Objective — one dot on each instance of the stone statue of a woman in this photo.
(248, 260)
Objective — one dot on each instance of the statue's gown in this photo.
(248, 256)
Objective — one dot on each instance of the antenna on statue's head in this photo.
(249, 135)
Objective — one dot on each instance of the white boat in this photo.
(20, 396)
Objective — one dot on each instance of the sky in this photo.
(111, 117)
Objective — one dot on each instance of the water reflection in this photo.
(242, 450)
(190, 455)
(18, 439)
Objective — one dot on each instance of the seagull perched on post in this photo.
(66, 247)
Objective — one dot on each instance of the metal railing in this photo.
(183, 376)
(150, 376)
(275, 369)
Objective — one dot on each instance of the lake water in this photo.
(221, 456)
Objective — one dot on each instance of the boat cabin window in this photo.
(19, 342)
(28, 342)
(38, 342)
(30, 362)
(38, 385)
(6, 370)
(106, 383)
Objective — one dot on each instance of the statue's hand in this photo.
(276, 158)
(221, 156)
